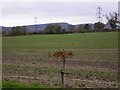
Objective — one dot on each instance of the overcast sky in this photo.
(50, 11)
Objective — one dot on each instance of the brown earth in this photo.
(52, 78)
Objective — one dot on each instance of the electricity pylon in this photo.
(36, 22)
(99, 14)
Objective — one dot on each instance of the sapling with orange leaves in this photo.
(62, 55)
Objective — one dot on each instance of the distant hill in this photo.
(40, 27)
(91, 25)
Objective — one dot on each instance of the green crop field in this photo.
(67, 41)
(93, 64)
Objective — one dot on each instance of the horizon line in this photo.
(49, 23)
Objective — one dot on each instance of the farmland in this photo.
(93, 64)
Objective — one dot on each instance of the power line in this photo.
(36, 22)
(99, 14)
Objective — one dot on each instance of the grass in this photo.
(101, 40)
(28, 56)
(37, 70)
(17, 84)
(33, 54)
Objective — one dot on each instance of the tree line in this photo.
(57, 29)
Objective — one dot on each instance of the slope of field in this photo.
(93, 64)
(71, 41)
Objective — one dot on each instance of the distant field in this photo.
(101, 40)
(93, 64)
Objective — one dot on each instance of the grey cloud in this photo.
(60, 10)
(51, 9)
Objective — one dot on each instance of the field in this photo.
(93, 64)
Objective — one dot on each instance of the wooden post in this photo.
(62, 78)
(62, 74)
